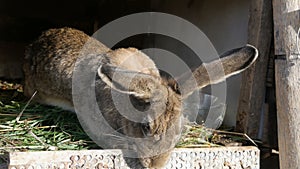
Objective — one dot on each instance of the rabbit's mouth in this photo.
(155, 153)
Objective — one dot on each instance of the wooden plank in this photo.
(218, 157)
(253, 88)
(288, 107)
(287, 75)
(285, 10)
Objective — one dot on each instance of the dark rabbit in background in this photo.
(49, 65)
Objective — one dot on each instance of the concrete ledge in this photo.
(183, 158)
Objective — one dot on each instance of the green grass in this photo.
(39, 128)
(196, 136)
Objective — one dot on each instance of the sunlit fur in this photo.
(48, 69)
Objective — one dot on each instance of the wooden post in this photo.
(287, 74)
(252, 96)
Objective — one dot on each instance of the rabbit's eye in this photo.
(146, 129)
(140, 104)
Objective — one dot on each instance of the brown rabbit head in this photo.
(154, 109)
(151, 111)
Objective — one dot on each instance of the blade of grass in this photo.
(27, 104)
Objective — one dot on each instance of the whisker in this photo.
(118, 129)
(134, 163)
(137, 163)
(116, 136)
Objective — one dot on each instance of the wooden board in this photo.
(183, 158)
(253, 87)
(287, 75)
(284, 31)
(288, 107)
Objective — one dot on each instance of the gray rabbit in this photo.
(122, 73)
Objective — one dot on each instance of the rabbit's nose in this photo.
(146, 162)
(157, 137)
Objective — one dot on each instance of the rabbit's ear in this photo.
(230, 63)
(124, 81)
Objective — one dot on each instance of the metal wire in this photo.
(297, 41)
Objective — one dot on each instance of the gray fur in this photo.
(49, 64)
